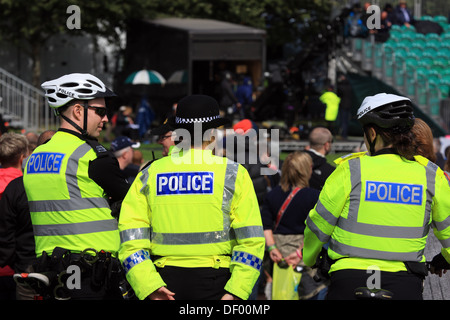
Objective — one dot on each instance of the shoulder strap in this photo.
(349, 156)
(285, 205)
(100, 150)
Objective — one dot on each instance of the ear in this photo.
(78, 111)
(372, 133)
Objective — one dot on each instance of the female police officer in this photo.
(376, 209)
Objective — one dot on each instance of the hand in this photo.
(439, 272)
(161, 294)
(228, 296)
(293, 259)
(275, 255)
(439, 265)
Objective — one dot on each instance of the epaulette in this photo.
(147, 164)
(349, 156)
(100, 150)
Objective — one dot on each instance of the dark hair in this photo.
(403, 141)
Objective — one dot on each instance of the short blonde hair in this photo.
(12, 146)
(296, 170)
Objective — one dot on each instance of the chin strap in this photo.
(371, 143)
(83, 130)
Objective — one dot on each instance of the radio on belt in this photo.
(178, 183)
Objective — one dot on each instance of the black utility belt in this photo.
(88, 259)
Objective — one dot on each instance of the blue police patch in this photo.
(45, 162)
(184, 183)
(394, 192)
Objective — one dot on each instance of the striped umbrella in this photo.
(180, 76)
(145, 77)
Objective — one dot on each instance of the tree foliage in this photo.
(29, 24)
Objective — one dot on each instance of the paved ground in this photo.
(435, 288)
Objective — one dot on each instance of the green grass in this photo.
(149, 149)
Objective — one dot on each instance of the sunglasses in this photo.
(161, 138)
(101, 112)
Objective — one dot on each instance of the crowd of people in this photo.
(355, 23)
(200, 225)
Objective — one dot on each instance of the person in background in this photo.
(13, 149)
(228, 101)
(122, 147)
(402, 15)
(440, 160)
(244, 94)
(345, 93)
(423, 140)
(164, 134)
(331, 101)
(284, 213)
(17, 246)
(320, 142)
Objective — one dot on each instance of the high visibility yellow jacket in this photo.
(378, 211)
(332, 101)
(192, 209)
(68, 209)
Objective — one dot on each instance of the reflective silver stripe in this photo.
(247, 259)
(355, 193)
(76, 202)
(351, 251)
(249, 232)
(191, 238)
(224, 235)
(445, 243)
(228, 190)
(382, 231)
(325, 214)
(67, 204)
(431, 170)
(441, 225)
(135, 234)
(323, 237)
(75, 228)
(144, 179)
(135, 258)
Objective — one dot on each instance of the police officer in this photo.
(190, 225)
(70, 182)
(376, 209)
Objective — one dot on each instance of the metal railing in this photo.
(24, 105)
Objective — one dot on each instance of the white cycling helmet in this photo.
(83, 86)
(387, 111)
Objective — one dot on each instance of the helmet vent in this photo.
(69, 85)
(84, 91)
(94, 83)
